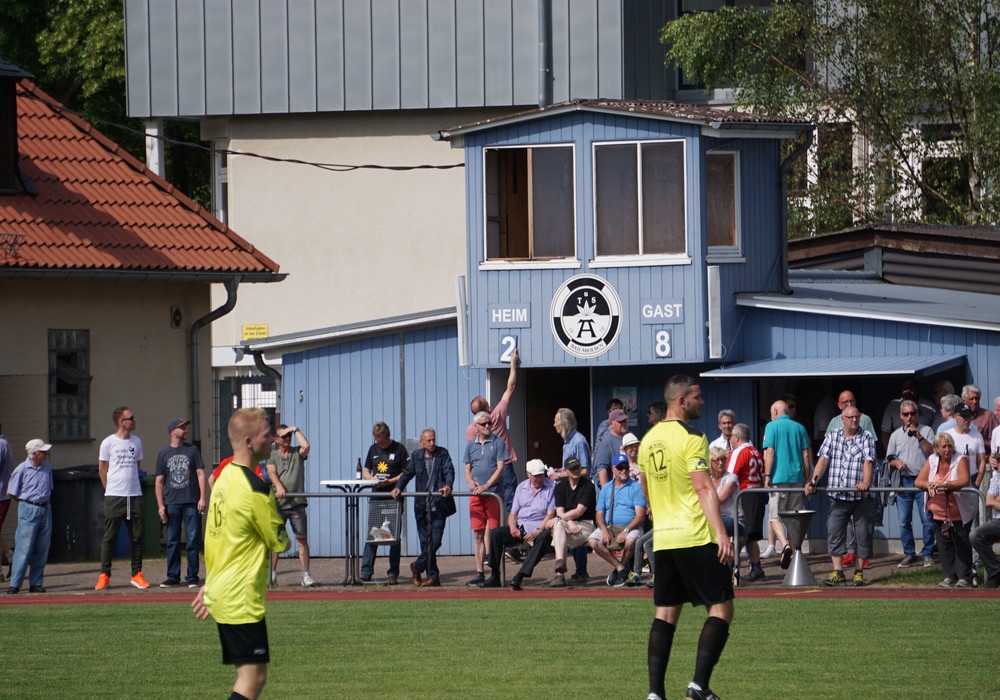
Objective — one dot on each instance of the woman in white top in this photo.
(727, 486)
(944, 473)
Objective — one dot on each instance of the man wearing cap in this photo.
(621, 511)
(610, 446)
(118, 462)
(287, 471)
(530, 520)
(181, 497)
(31, 484)
(576, 503)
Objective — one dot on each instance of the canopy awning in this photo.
(838, 367)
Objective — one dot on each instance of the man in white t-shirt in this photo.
(118, 464)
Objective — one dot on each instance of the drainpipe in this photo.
(544, 53)
(231, 286)
(785, 165)
(258, 362)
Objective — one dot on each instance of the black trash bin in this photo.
(77, 514)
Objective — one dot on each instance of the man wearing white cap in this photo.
(31, 484)
(181, 498)
(530, 520)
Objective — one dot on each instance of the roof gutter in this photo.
(231, 285)
(544, 53)
(783, 206)
(258, 362)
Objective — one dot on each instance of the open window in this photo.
(529, 203)
(639, 199)
(722, 195)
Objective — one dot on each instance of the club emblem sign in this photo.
(586, 316)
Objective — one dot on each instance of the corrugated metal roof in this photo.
(720, 118)
(100, 212)
(838, 367)
(838, 294)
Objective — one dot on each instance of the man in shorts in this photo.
(692, 550)
(287, 471)
(243, 525)
(787, 463)
(484, 462)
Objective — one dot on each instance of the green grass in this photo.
(781, 647)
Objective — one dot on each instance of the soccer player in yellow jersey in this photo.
(243, 526)
(691, 549)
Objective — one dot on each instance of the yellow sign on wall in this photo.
(255, 331)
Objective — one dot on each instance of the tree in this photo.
(75, 49)
(904, 93)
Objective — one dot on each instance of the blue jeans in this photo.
(904, 508)
(427, 561)
(508, 482)
(31, 543)
(186, 513)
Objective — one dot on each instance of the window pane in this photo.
(507, 203)
(69, 384)
(663, 220)
(552, 231)
(720, 194)
(617, 200)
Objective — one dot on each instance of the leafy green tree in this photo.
(76, 51)
(905, 93)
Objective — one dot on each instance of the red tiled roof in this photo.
(98, 209)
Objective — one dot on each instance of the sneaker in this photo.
(651, 583)
(786, 557)
(559, 581)
(307, 580)
(560, 566)
(908, 561)
(272, 579)
(170, 583)
(947, 583)
(622, 577)
(835, 579)
(392, 581)
(193, 582)
(645, 567)
(755, 575)
(580, 578)
(928, 562)
(13, 591)
(139, 581)
(769, 553)
(696, 693)
(36, 589)
(476, 581)
(963, 583)
(633, 579)
(369, 581)
(514, 553)
(102, 582)
(859, 578)
(848, 559)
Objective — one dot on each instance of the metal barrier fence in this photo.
(352, 533)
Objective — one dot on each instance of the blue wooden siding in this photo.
(202, 58)
(338, 392)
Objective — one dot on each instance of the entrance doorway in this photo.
(546, 391)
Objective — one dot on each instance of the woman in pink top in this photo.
(942, 475)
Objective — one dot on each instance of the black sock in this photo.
(661, 638)
(237, 696)
(710, 645)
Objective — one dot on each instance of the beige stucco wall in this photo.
(136, 359)
(358, 245)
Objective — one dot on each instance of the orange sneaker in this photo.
(139, 581)
(102, 582)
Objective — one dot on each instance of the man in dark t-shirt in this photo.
(181, 497)
(385, 462)
(576, 501)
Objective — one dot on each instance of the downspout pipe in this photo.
(258, 362)
(231, 285)
(544, 53)
(783, 206)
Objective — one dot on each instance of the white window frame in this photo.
(728, 253)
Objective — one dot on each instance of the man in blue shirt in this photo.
(484, 463)
(621, 511)
(31, 484)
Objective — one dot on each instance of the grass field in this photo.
(556, 648)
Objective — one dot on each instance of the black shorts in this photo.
(244, 644)
(753, 515)
(691, 575)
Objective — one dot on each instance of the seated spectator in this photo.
(630, 446)
(986, 535)
(576, 503)
(530, 521)
(621, 511)
(943, 473)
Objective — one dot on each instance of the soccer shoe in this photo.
(835, 579)
(307, 580)
(139, 581)
(786, 557)
(653, 696)
(417, 578)
(859, 578)
(847, 559)
(696, 693)
(102, 582)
